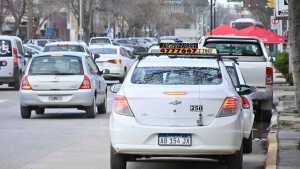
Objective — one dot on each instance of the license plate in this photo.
(175, 139)
(55, 98)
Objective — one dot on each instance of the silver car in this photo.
(63, 80)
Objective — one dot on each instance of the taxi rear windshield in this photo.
(61, 48)
(5, 48)
(177, 76)
(56, 65)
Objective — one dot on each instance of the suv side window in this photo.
(20, 48)
(92, 66)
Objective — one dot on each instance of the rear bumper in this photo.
(223, 136)
(70, 99)
(116, 71)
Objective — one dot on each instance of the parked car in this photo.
(114, 58)
(12, 56)
(138, 49)
(40, 42)
(100, 41)
(255, 64)
(63, 80)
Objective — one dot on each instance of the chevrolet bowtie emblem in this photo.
(176, 102)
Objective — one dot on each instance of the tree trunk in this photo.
(294, 14)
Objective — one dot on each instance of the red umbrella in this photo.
(223, 30)
(266, 36)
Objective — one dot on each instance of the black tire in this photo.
(25, 112)
(102, 107)
(40, 111)
(117, 161)
(91, 110)
(235, 161)
(247, 144)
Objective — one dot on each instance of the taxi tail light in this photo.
(269, 76)
(121, 106)
(229, 108)
(86, 83)
(245, 102)
(115, 61)
(15, 56)
(25, 85)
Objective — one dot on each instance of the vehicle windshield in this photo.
(236, 48)
(104, 50)
(61, 48)
(56, 65)
(100, 41)
(177, 76)
(5, 48)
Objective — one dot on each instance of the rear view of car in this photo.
(100, 41)
(12, 55)
(62, 80)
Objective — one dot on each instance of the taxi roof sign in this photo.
(185, 48)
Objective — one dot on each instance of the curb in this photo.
(271, 161)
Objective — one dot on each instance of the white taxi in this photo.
(178, 105)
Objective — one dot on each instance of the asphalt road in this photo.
(64, 139)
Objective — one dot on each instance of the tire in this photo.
(40, 111)
(235, 161)
(91, 110)
(247, 144)
(25, 112)
(102, 107)
(117, 161)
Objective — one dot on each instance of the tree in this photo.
(294, 41)
(17, 9)
(260, 10)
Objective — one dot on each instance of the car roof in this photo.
(67, 42)
(8, 37)
(104, 46)
(64, 53)
(101, 37)
(231, 37)
(165, 61)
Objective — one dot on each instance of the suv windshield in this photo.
(52, 65)
(177, 76)
(5, 48)
(60, 48)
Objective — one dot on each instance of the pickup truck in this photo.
(255, 65)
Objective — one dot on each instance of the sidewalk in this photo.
(288, 126)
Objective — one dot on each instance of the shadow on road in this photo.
(64, 116)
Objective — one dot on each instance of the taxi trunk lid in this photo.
(55, 82)
(159, 105)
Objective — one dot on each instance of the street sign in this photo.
(274, 23)
(282, 8)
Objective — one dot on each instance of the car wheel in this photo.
(102, 107)
(247, 144)
(235, 161)
(117, 161)
(91, 110)
(40, 111)
(25, 112)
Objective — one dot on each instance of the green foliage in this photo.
(282, 65)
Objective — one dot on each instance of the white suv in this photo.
(178, 106)
(13, 62)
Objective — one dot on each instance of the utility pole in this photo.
(211, 16)
(215, 15)
(80, 20)
(30, 16)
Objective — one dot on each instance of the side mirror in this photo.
(96, 56)
(115, 88)
(3, 63)
(28, 55)
(246, 90)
